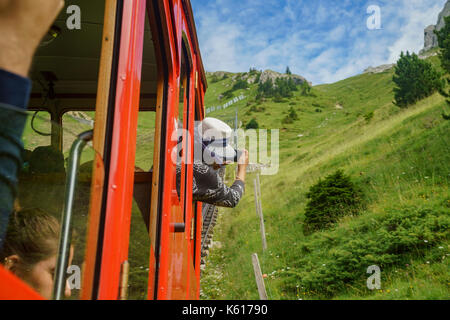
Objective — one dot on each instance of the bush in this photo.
(215, 79)
(330, 199)
(252, 124)
(293, 114)
(416, 79)
(287, 120)
(332, 261)
(368, 116)
(240, 84)
(305, 88)
(228, 94)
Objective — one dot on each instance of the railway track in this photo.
(209, 215)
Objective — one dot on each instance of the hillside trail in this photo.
(372, 132)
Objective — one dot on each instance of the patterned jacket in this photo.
(208, 187)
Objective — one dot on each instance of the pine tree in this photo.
(330, 199)
(416, 79)
(305, 88)
(444, 44)
(288, 71)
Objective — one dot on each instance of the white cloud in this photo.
(417, 15)
(325, 41)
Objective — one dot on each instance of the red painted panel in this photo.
(123, 149)
(178, 278)
(12, 288)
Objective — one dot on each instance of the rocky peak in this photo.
(379, 69)
(430, 39)
(273, 75)
(260, 76)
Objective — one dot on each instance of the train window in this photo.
(42, 175)
(37, 132)
(65, 79)
(183, 121)
(145, 141)
(30, 243)
(77, 122)
(139, 248)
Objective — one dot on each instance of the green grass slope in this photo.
(398, 157)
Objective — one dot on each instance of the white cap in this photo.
(216, 135)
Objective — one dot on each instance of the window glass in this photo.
(38, 131)
(33, 228)
(183, 110)
(145, 141)
(65, 76)
(139, 249)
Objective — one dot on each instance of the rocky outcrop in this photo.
(444, 13)
(257, 76)
(430, 38)
(379, 69)
(219, 75)
(273, 75)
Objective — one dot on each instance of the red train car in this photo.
(134, 68)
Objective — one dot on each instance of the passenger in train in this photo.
(213, 152)
(46, 160)
(23, 24)
(30, 249)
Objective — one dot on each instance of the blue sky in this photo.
(322, 40)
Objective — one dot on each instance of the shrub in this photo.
(287, 120)
(293, 114)
(368, 116)
(252, 124)
(228, 94)
(331, 261)
(305, 88)
(445, 116)
(215, 79)
(240, 84)
(330, 199)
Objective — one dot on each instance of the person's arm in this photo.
(210, 188)
(23, 24)
(242, 166)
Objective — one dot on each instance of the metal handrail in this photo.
(66, 221)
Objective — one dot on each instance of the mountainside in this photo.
(431, 40)
(398, 158)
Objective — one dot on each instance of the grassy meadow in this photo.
(400, 160)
